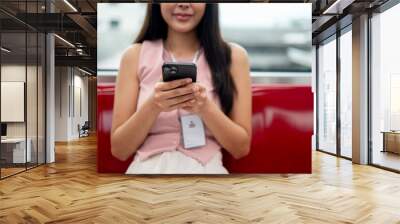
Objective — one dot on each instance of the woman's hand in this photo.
(200, 101)
(171, 95)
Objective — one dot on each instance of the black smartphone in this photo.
(178, 70)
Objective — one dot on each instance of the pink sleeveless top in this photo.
(165, 134)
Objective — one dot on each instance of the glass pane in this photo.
(23, 89)
(32, 87)
(13, 86)
(327, 97)
(346, 94)
(41, 98)
(31, 97)
(386, 89)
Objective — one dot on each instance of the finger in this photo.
(190, 104)
(187, 108)
(179, 105)
(195, 89)
(203, 90)
(200, 95)
(180, 91)
(174, 84)
(199, 89)
(158, 86)
(180, 99)
(203, 95)
(199, 86)
(199, 92)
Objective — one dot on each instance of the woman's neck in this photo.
(182, 45)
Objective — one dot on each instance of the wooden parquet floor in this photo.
(71, 191)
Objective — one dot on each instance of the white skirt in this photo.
(175, 162)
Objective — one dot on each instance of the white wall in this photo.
(80, 83)
(61, 103)
(68, 82)
(14, 73)
(17, 73)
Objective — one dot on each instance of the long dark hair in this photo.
(217, 51)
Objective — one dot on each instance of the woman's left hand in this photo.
(200, 101)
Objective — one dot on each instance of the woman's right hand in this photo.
(171, 95)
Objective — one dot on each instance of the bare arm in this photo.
(125, 117)
(233, 132)
(130, 126)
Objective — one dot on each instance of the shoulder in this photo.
(148, 49)
(238, 53)
(131, 53)
(129, 62)
(239, 61)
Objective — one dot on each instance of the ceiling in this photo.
(76, 24)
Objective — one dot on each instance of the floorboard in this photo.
(71, 191)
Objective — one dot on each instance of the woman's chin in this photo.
(182, 28)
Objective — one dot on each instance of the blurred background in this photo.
(277, 37)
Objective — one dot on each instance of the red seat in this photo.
(282, 129)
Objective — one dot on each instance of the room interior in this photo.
(50, 87)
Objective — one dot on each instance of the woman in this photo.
(147, 112)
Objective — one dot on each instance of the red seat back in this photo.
(106, 162)
(282, 131)
(281, 141)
